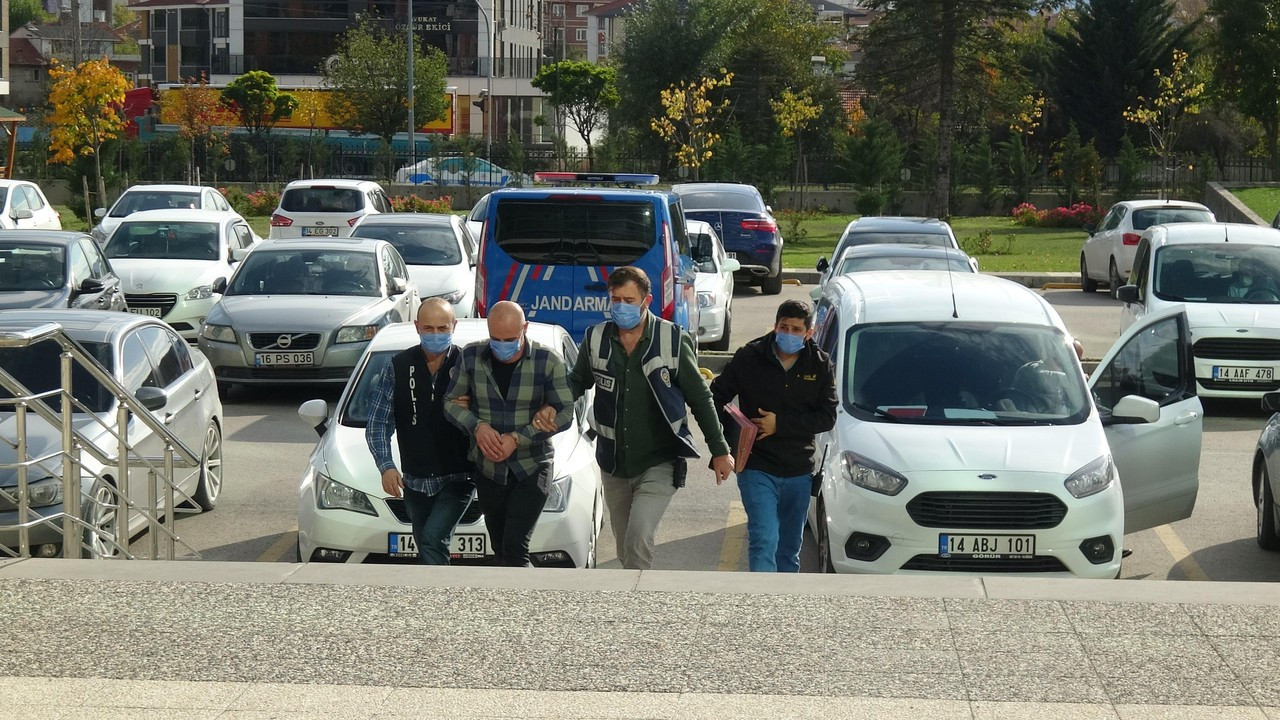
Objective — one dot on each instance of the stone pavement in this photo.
(86, 639)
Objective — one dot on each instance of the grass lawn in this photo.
(1012, 247)
(1263, 200)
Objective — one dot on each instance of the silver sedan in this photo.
(303, 311)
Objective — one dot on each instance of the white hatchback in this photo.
(156, 197)
(438, 250)
(1107, 256)
(24, 206)
(344, 516)
(1227, 277)
(325, 208)
(713, 284)
(968, 440)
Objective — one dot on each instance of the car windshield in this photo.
(137, 200)
(711, 200)
(37, 367)
(1218, 273)
(575, 232)
(903, 262)
(874, 237)
(31, 267)
(1144, 218)
(167, 240)
(321, 199)
(963, 373)
(418, 244)
(306, 272)
(356, 412)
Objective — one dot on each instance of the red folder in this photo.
(747, 432)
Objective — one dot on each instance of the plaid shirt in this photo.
(540, 378)
(378, 431)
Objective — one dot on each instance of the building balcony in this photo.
(303, 65)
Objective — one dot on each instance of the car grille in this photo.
(232, 374)
(397, 507)
(986, 510)
(297, 341)
(1237, 349)
(164, 301)
(1046, 563)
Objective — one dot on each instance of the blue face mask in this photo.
(626, 316)
(436, 343)
(789, 344)
(504, 350)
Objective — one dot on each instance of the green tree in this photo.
(257, 102)
(1247, 43)
(920, 50)
(1129, 169)
(583, 91)
(22, 12)
(986, 174)
(370, 80)
(1078, 168)
(1105, 56)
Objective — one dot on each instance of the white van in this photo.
(969, 440)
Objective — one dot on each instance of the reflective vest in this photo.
(660, 362)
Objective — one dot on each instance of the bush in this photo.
(415, 204)
(869, 202)
(263, 202)
(1075, 216)
(237, 198)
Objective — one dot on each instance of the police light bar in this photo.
(616, 178)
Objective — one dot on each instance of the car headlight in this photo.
(1092, 478)
(706, 299)
(452, 298)
(201, 292)
(870, 474)
(97, 233)
(333, 495)
(218, 333)
(44, 493)
(558, 495)
(356, 333)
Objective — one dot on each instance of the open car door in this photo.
(1157, 457)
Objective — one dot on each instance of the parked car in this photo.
(344, 515)
(154, 364)
(1266, 476)
(473, 171)
(23, 206)
(745, 225)
(870, 258)
(438, 250)
(475, 220)
(325, 208)
(1107, 255)
(970, 441)
(551, 249)
(714, 285)
(304, 311)
(1204, 267)
(56, 269)
(170, 260)
(156, 197)
(892, 230)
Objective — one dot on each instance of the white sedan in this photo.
(713, 284)
(344, 516)
(1107, 255)
(438, 250)
(169, 260)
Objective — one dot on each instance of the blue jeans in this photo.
(433, 518)
(776, 509)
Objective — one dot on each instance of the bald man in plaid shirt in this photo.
(506, 380)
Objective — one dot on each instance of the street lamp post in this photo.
(488, 114)
(413, 147)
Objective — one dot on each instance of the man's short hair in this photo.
(796, 310)
(629, 274)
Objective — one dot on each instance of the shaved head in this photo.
(435, 315)
(506, 321)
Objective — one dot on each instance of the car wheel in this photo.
(772, 285)
(102, 516)
(1114, 279)
(1268, 539)
(1087, 283)
(210, 485)
(723, 343)
(824, 540)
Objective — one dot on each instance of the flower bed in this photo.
(1060, 217)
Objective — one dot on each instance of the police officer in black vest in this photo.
(437, 480)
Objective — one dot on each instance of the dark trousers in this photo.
(433, 518)
(510, 512)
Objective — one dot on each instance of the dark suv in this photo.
(745, 225)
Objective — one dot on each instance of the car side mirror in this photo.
(238, 254)
(398, 285)
(152, 398)
(1135, 410)
(1128, 294)
(90, 285)
(315, 414)
(1271, 401)
(822, 265)
(22, 214)
(100, 213)
(731, 265)
(219, 286)
(815, 293)
(1089, 228)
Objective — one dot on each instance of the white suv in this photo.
(325, 208)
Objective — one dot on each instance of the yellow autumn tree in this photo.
(312, 105)
(1179, 95)
(85, 102)
(688, 119)
(201, 117)
(793, 112)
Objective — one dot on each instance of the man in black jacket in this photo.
(408, 399)
(787, 384)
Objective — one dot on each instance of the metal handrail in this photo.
(74, 442)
